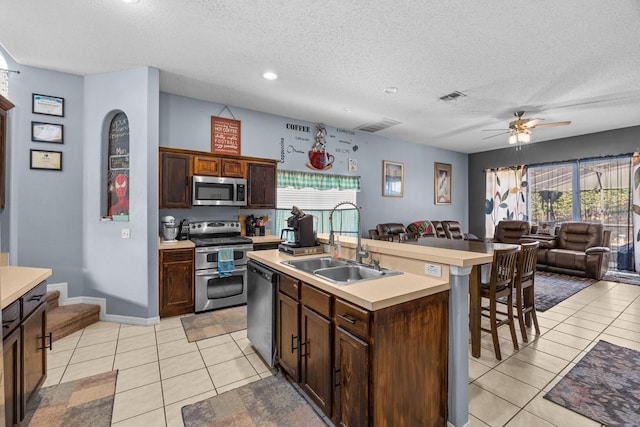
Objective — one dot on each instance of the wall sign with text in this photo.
(225, 136)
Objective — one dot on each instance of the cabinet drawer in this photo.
(173, 255)
(33, 298)
(10, 318)
(316, 300)
(206, 166)
(353, 319)
(289, 286)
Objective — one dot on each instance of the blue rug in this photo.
(604, 386)
(553, 288)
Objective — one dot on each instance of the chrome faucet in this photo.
(360, 252)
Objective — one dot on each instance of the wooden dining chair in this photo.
(524, 287)
(500, 285)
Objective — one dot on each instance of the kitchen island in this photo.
(449, 276)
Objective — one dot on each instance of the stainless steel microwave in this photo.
(217, 191)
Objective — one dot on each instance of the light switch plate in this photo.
(126, 233)
(433, 270)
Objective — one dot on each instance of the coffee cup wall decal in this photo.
(318, 156)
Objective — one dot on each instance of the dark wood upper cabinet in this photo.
(175, 180)
(5, 105)
(262, 185)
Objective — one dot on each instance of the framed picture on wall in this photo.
(47, 105)
(442, 183)
(45, 159)
(47, 132)
(392, 179)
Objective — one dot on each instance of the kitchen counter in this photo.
(265, 239)
(370, 294)
(17, 281)
(180, 244)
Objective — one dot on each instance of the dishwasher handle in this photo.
(262, 271)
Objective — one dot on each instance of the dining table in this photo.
(475, 277)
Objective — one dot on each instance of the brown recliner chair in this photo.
(580, 248)
(390, 231)
(453, 230)
(510, 231)
(438, 230)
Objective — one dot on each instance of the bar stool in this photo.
(524, 287)
(500, 285)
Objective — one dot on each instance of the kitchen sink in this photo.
(310, 265)
(340, 272)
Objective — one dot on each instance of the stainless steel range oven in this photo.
(212, 289)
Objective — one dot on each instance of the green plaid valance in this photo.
(317, 181)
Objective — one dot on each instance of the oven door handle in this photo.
(214, 271)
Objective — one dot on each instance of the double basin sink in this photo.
(340, 272)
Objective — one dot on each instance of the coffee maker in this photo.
(301, 225)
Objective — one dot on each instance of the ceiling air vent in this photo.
(378, 126)
(452, 96)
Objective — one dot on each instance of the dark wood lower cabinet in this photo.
(351, 380)
(34, 362)
(176, 282)
(315, 358)
(12, 367)
(386, 367)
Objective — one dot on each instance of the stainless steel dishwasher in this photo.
(261, 310)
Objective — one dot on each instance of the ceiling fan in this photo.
(520, 129)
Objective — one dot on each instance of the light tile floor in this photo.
(159, 371)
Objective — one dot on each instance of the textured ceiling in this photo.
(575, 60)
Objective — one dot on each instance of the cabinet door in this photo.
(233, 168)
(315, 358)
(288, 335)
(262, 185)
(175, 180)
(12, 365)
(176, 282)
(206, 166)
(34, 360)
(351, 376)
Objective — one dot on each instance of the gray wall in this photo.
(601, 144)
(186, 123)
(124, 271)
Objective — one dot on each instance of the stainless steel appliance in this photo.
(261, 306)
(219, 191)
(304, 240)
(168, 229)
(212, 289)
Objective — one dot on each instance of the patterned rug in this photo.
(604, 386)
(214, 323)
(628, 277)
(553, 288)
(80, 403)
(273, 401)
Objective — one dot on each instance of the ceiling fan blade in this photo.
(498, 134)
(551, 125)
(532, 123)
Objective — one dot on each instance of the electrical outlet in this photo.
(433, 270)
(126, 233)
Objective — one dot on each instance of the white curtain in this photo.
(506, 197)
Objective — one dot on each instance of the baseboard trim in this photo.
(64, 299)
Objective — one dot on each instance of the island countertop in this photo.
(17, 281)
(369, 294)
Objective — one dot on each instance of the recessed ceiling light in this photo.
(131, 1)
(347, 109)
(391, 89)
(270, 75)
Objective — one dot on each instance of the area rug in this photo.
(214, 323)
(553, 288)
(273, 401)
(84, 402)
(604, 386)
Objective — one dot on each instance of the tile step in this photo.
(67, 319)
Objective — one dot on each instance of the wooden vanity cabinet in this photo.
(175, 180)
(24, 351)
(261, 180)
(316, 334)
(176, 281)
(288, 325)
